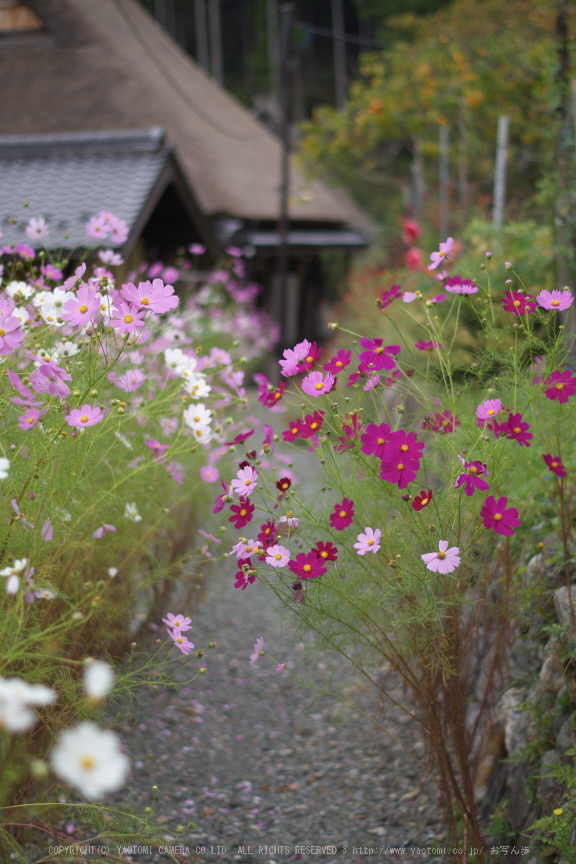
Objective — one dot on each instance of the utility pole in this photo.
(160, 12)
(463, 161)
(443, 176)
(500, 174)
(273, 49)
(281, 281)
(565, 154)
(417, 179)
(339, 52)
(216, 40)
(201, 34)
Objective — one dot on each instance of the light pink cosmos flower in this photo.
(277, 556)
(85, 416)
(410, 296)
(100, 532)
(127, 319)
(97, 227)
(438, 257)
(151, 295)
(31, 418)
(488, 410)
(47, 531)
(181, 642)
(246, 548)
(22, 518)
(178, 622)
(444, 561)
(157, 449)
(315, 384)
(368, 542)
(246, 481)
(209, 474)
(82, 308)
(555, 300)
(37, 228)
(10, 334)
(108, 256)
(258, 647)
(129, 381)
(293, 357)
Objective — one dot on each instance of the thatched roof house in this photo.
(99, 65)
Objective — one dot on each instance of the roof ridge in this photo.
(148, 140)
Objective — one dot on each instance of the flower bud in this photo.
(431, 528)
(211, 644)
(488, 255)
(148, 809)
(191, 825)
(202, 670)
(39, 769)
(154, 788)
(400, 409)
(333, 325)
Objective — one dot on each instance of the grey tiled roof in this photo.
(68, 178)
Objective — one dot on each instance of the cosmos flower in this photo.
(154, 296)
(267, 531)
(157, 449)
(293, 431)
(387, 297)
(445, 422)
(401, 470)
(368, 542)
(178, 622)
(327, 551)
(242, 513)
(277, 556)
(98, 680)
(307, 566)
(488, 410)
(342, 515)
(258, 648)
(127, 319)
(444, 561)
(518, 304)
(209, 474)
(376, 355)
(10, 334)
(456, 285)
(495, 515)
(428, 346)
(516, 429)
(377, 440)
(80, 310)
(315, 384)
(245, 481)
(555, 465)
(85, 416)
(312, 424)
(181, 642)
(31, 418)
(438, 257)
(560, 385)
(422, 500)
(472, 478)
(100, 532)
(555, 300)
(90, 759)
(339, 362)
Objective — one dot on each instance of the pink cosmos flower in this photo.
(23, 521)
(293, 357)
(37, 228)
(127, 319)
(31, 418)
(327, 551)
(26, 252)
(245, 481)
(151, 295)
(51, 272)
(428, 346)
(315, 384)
(495, 515)
(82, 308)
(410, 296)
(129, 381)
(157, 449)
(307, 566)
(209, 536)
(209, 474)
(488, 410)
(245, 548)
(239, 439)
(444, 422)
(267, 394)
(444, 561)
(181, 642)
(405, 445)
(289, 519)
(311, 358)
(85, 416)
(196, 249)
(517, 429)
(518, 304)
(400, 470)
(389, 296)
(339, 362)
(242, 513)
(10, 334)
(368, 542)
(258, 647)
(555, 300)
(555, 465)
(342, 515)
(438, 299)
(178, 622)
(277, 556)
(376, 355)
(219, 503)
(438, 257)
(472, 477)
(47, 531)
(377, 440)
(456, 285)
(97, 227)
(100, 532)
(560, 386)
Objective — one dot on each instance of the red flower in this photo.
(311, 358)
(327, 551)
(283, 485)
(294, 431)
(422, 500)
(242, 513)
(342, 515)
(267, 532)
(240, 438)
(555, 465)
(312, 425)
(411, 232)
(560, 385)
(243, 464)
(517, 303)
(495, 515)
(307, 566)
(242, 578)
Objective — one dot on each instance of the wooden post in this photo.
(463, 161)
(339, 52)
(443, 175)
(500, 174)
(273, 49)
(417, 179)
(216, 40)
(201, 34)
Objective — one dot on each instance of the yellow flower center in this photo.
(83, 418)
(380, 440)
(497, 516)
(342, 513)
(128, 319)
(491, 412)
(339, 363)
(472, 469)
(198, 433)
(277, 395)
(2, 332)
(517, 430)
(295, 430)
(247, 548)
(424, 502)
(404, 448)
(324, 554)
(243, 512)
(145, 301)
(278, 556)
(318, 386)
(247, 482)
(516, 303)
(444, 422)
(196, 419)
(441, 555)
(307, 568)
(176, 623)
(370, 542)
(267, 530)
(400, 466)
(555, 302)
(285, 485)
(83, 309)
(309, 359)
(180, 640)
(314, 425)
(87, 763)
(379, 350)
(30, 419)
(554, 464)
(559, 386)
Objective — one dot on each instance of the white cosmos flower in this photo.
(22, 314)
(131, 512)
(4, 467)
(59, 297)
(98, 679)
(65, 349)
(197, 415)
(21, 288)
(16, 697)
(90, 759)
(179, 362)
(196, 385)
(16, 567)
(112, 571)
(50, 315)
(202, 434)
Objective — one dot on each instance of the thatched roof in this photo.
(107, 64)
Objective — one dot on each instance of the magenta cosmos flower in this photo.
(316, 384)
(178, 622)
(85, 416)
(311, 358)
(444, 561)
(293, 432)
(376, 355)
(10, 334)
(495, 515)
(377, 440)
(400, 470)
(472, 477)
(151, 295)
(560, 386)
(245, 481)
(456, 285)
(428, 346)
(327, 551)
(405, 445)
(127, 319)
(555, 465)
(258, 648)
(307, 566)
(368, 542)
(517, 303)
(312, 424)
(388, 297)
(488, 410)
(277, 556)
(157, 449)
(444, 422)
(517, 429)
(438, 258)
(242, 513)
(555, 300)
(339, 362)
(343, 514)
(81, 309)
